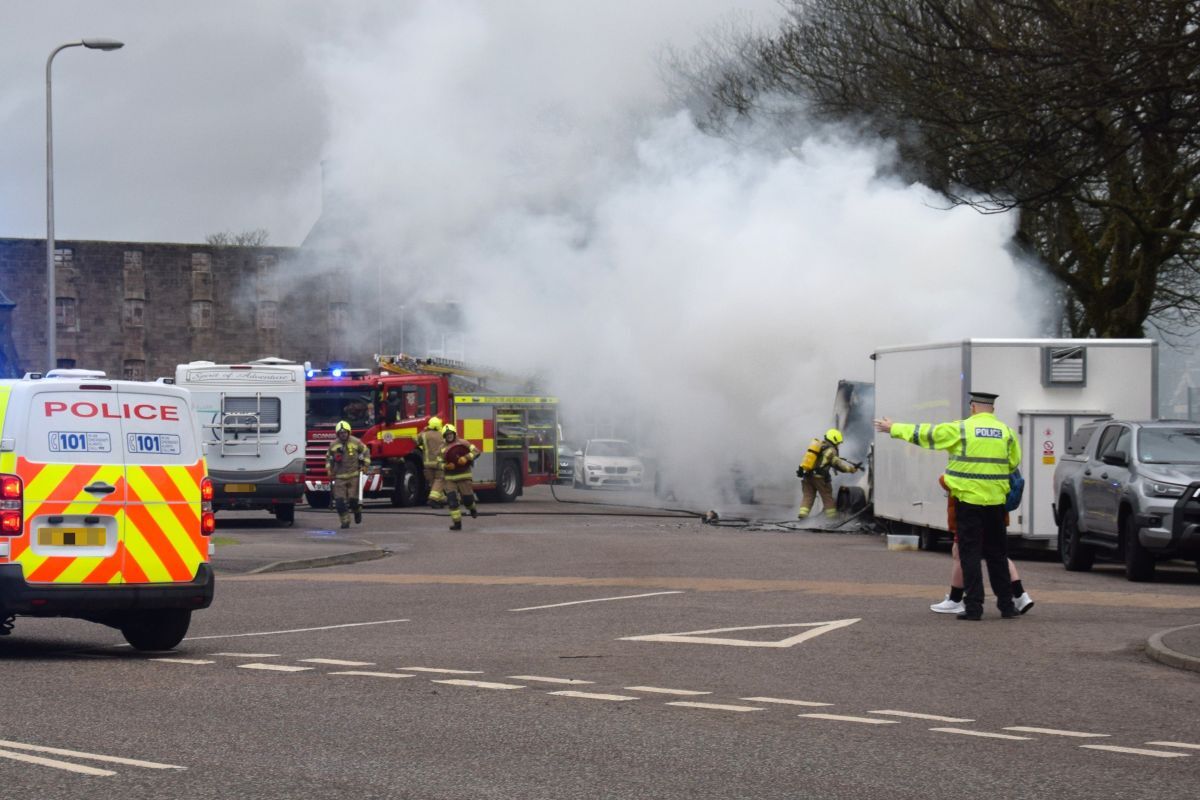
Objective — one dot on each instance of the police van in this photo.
(105, 505)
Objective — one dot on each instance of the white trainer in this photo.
(948, 606)
(1023, 603)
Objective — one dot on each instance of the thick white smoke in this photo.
(706, 295)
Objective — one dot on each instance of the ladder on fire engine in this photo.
(472, 377)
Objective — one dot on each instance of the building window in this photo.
(1064, 366)
(202, 314)
(268, 315)
(135, 313)
(201, 262)
(66, 314)
(64, 257)
(134, 369)
(65, 363)
(135, 278)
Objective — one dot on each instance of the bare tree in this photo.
(1082, 115)
(255, 238)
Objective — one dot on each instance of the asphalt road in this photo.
(555, 650)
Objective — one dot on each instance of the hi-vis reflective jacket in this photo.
(347, 460)
(983, 453)
(429, 442)
(104, 499)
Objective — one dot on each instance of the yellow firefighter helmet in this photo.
(833, 436)
(436, 423)
(449, 429)
(342, 426)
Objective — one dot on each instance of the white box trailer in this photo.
(252, 423)
(1047, 388)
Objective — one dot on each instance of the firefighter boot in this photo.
(345, 522)
(456, 520)
(803, 514)
(474, 511)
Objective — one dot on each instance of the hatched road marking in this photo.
(660, 690)
(933, 717)
(597, 600)
(1054, 732)
(274, 667)
(1136, 751)
(984, 734)
(842, 718)
(292, 630)
(701, 637)
(712, 706)
(443, 671)
(80, 769)
(182, 660)
(593, 696)
(373, 674)
(783, 701)
(477, 684)
(334, 662)
(542, 679)
(1176, 744)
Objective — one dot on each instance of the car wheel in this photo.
(1139, 562)
(317, 499)
(1076, 556)
(286, 514)
(156, 630)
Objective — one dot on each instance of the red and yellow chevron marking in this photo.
(156, 510)
(479, 432)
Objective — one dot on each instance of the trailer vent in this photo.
(1065, 366)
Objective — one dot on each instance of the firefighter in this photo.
(815, 471)
(456, 458)
(984, 452)
(430, 442)
(346, 459)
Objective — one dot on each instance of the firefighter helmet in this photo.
(833, 436)
(449, 429)
(342, 426)
(436, 423)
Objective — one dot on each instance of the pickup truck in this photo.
(1129, 490)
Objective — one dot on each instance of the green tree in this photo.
(1081, 115)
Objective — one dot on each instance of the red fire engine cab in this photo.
(516, 434)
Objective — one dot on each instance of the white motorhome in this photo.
(1047, 389)
(252, 423)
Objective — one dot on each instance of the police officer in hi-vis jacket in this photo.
(346, 459)
(983, 453)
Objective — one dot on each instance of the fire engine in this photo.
(517, 434)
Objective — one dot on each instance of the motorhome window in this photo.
(250, 414)
(1169, 446)
(1108, 440)
(326, 407)
(1064, 366)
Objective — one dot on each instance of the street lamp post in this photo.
(51, 298)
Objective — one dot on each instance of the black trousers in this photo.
(983, 537)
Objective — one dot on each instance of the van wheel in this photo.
(1076, 556)
(156, 630)
(317, 499)
(508, 483)
(286, 514)
(1139, 562)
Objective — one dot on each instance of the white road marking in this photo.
(1137, 751)
(783, 701)
(660, 690)
(1176, 744)
(247, 655)
(543, 679)
(596, 600)
(984, 734)
(478, 684)
(934, 717)
(1056, 732)
(274, 667)
(701, 637)
(292, 630)
(50, 762)
(182, 660)
(334, 662)
(841, 718)
(374, 674)
(443, 671)
(713, 706)
(594, 695)
(58, 751)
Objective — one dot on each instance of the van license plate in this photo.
(240, 487)
(71, 537)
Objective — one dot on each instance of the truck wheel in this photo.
(1076, 556)
(408, 485)
(1139, 562)
(508, 483)
(286, 514)
(156, 630)
(317, 499)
